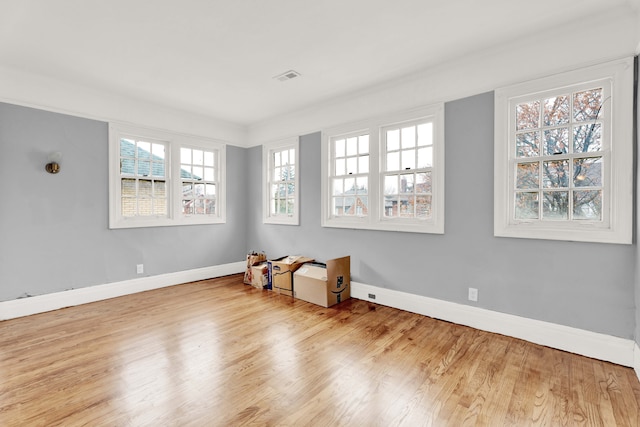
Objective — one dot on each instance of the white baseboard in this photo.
(54, 301)
(579, 341)
(636, 360)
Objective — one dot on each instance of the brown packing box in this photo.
(259, 275)
(325, 286)
(282, 273)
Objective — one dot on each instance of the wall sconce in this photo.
(54, 162)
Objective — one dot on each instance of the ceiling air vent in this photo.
(287, 75)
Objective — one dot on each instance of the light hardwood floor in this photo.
(220, 353)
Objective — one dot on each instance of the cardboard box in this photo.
(325, 286)
(258, 276)
(281, 272)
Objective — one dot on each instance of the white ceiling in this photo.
(218, 58)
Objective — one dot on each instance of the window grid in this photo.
(143, 191)
(560, 160)
(350, 180)
(198, 175)
(407, 172)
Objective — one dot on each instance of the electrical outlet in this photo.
(140, 268)
(372, 296)
(473, 294)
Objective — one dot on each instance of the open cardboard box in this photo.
(281, 272)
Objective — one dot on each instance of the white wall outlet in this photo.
(473, 294)
(140, 268)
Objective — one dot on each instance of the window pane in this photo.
(349, 208)
(393, 161)
(423, 182)
(406, 183)
(210, 206)
(209, 174)
(145, 207)
(185, 172)
(199, 190)
(210, 190)
(127, 148)
(406, 207)
(128, 187)
(391, 184)
(423, 207)
(425, 134)
(349, 185)
(292, 156)
(198, 157)
(277, 174)
(159, 206)
(527, 175)
(362, 185)
(158, 169)
(338, 188)
(425, 157)
(556, 111)
(556, 141)
(528, 144)
(587, 172)
(159, 189)
(352, 165)
(340, 148)
(587, 138)
(187, 207)
(341, 167)
(144, 168)
(587, 104)
(144, 150)
(393, 139)
(556, 174)
(290, 206)
(185, 155)
(587, 205)
(338, 206)
(363, 144)
(187, 190)
(352, 146)
(528, 115)
(157, 150)
(409, 137)
(144, 188)
(209, 159)
(526, 206)
(198, 172)
(284, 157)
(363, 164)
(127, 166)
(390, 206)
(555, 205)
(408, 159)
(277, 159)
(129, 206)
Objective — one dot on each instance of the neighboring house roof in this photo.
(128, 149)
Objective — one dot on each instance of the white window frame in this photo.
(268, 150)
(617, 151)
(173, 142)
(376, 220)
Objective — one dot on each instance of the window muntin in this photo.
(564, 156)
(198, 175)
(281, 182)
(157, 178)
(379, 178)
(560, 161)
(350, 181)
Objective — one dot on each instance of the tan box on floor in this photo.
(258, 275)
(325, 286)
(282, 273)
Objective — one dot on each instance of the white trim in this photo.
(636, 359)
(267, 148)
(54, 301)
(574, 340)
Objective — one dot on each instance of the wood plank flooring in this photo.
(220, 353)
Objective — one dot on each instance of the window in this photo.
(162, 179)
(281, 186)
(564, 159)
(386, 173)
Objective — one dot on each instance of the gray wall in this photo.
(54, 228)
(584, 285)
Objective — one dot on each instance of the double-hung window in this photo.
(281, 195)
(157, 178)
(563, 156)
(386, 173)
